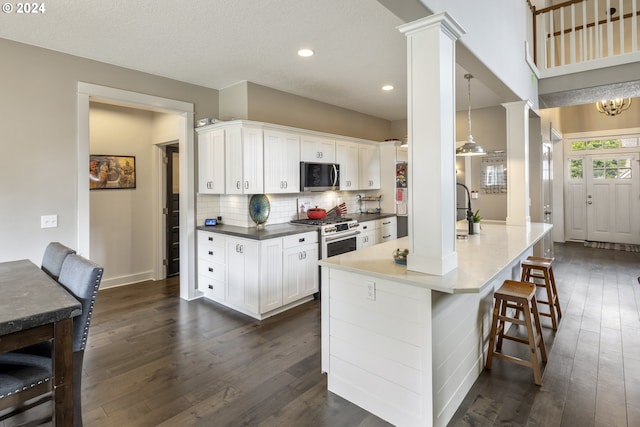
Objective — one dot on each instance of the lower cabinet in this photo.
(377, 231)
(299, 271)
(387, 229)
(243, 278)
(259, 278)
(368, 235)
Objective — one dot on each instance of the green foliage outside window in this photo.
(576, 168)
(596, 144)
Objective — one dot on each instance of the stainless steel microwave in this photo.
(319, 176)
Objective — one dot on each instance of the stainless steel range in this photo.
(337, 235)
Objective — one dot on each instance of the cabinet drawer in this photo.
(367, 226)
(213, 270)
(212, 289)
(211, 254)
(206, 239)
(300, 239)
(386, 222)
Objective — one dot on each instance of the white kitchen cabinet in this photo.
(368, 234)
(299, 267)
(317, 149)
(386, 229)
(212, 266)
(243, 275)
(281, 162)
(244, 165)
(211, 161)
(270, 275)
(369, 166)
(347, 158)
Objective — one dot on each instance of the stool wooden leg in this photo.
(555, 293)
(492, 336)
(551, 298)
(536, 318)
(533, 348)
(501, 324)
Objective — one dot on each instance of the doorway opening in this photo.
(184, 114)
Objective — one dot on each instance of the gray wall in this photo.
(39, 138)
(488, 127)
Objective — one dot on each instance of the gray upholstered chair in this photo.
(26, 373)
(54, 256)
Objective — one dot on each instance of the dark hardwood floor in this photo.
(592, 377)
(154, 359)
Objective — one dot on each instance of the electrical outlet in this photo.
(49, 221)
(371, 291)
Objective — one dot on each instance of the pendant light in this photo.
(470, 148)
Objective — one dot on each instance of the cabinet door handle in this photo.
(387, 236)
(386, 223)
(305, 255)
(246, 185)
(238, 185)
(210, 239)
(210, 287)
(286, 184)
(237, 247)
(302, 239)
(211, 253)
(210, 269)
(241, 249)
(299, 256)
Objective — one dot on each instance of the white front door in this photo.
(612, 198)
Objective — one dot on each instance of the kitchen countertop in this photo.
(269, 232)
(362, 217)
(480, 259)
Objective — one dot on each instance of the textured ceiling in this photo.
(217, 43)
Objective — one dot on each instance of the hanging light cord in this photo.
(469, 77)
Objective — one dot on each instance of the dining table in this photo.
(35, 308)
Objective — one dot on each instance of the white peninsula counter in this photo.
(408, 346)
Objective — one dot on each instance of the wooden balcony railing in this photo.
(578, 31)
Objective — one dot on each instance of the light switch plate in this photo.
(48, 221)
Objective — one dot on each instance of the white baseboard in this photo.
(112, 282)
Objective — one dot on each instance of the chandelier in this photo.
(613, 107)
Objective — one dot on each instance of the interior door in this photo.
(173, 212)
(547, 196)
(612, 198)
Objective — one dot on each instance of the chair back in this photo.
(81, 277)
(54, 256)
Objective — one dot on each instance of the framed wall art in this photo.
(111, 172)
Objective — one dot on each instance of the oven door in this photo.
(339, 244)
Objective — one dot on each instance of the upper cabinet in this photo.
(369, 165)
(281, 162)
(347, 158)
(211, 161)
(244, 160)
(245, 157)
(317, 149)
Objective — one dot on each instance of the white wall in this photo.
(39, 137)
(121, 226)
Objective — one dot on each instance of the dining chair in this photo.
(26, 373)
(54, 256)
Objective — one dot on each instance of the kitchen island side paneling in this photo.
(407, 346)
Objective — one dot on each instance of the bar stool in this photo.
(541, 268)
(522, 297)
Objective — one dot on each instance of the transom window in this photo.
(604, 144)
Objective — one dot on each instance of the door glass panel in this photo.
(575, 166)
(612, 168)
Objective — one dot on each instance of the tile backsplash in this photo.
(234, 209)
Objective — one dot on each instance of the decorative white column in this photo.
(518, 199)
(431, 134)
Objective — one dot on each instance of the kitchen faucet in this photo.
(468, 208)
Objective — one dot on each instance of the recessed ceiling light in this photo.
(387, 87)
(305, 52)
